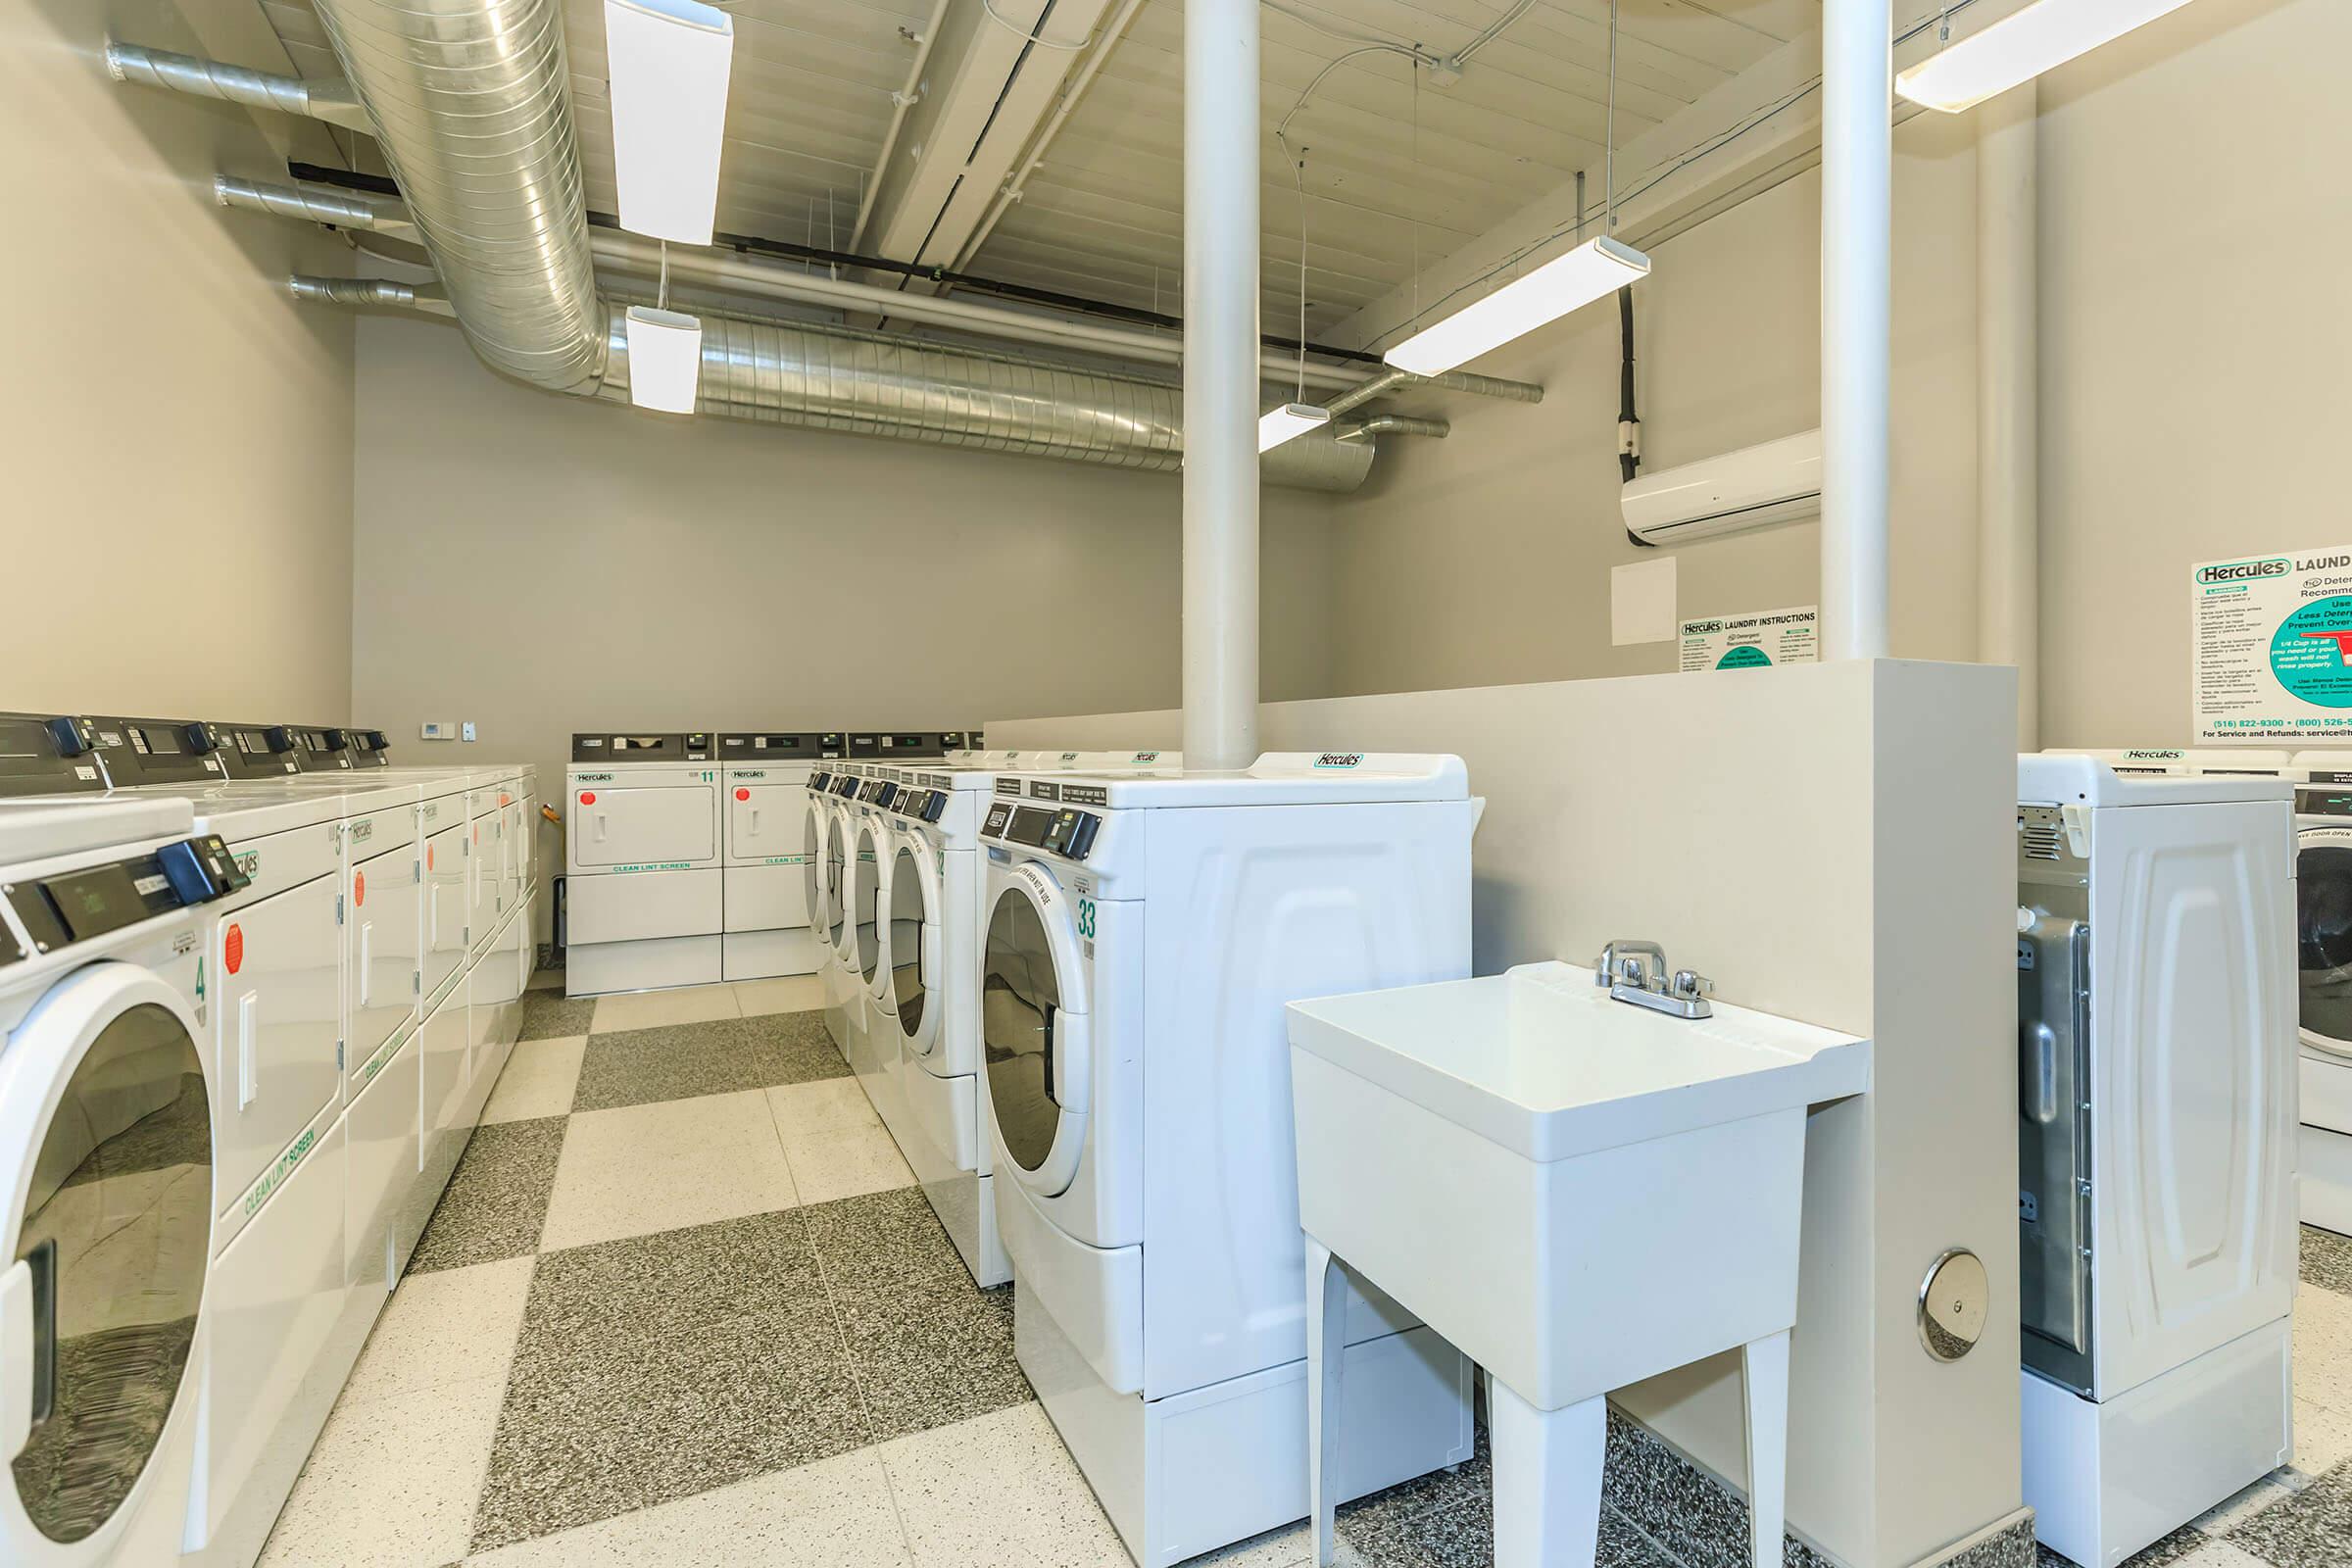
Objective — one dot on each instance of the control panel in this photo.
(778, 745)
(898, 743)
(371, 748)
(1065, 831)
(321, 747)
(845, 786)
(614, 746)
(257, 750)
(156, 751)
(45, 754)
(95, 901)
(2326, 793)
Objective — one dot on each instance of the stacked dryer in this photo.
(1144, 934)
(644, 897)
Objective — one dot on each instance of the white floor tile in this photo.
(2323, 1436)
(666, 1166)
(795, 992)
(814, 1109)
(540, 1079)
(846, 1163)
(2324, 1348)
(455, 1325)
(392, 1483)
(657, 1010)
(2220, 1554)
(1292, 1546)
(835, 1513)
(2220, 1521)
(997, 1489)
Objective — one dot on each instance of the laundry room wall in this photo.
(540, 565)
(179, 434)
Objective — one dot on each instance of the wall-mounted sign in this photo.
(2273, 647)
(1752, 639)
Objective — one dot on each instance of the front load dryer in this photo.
(645, 896)
(1144, 934)
(2323, 785)
(106, 1175)
(769, 913)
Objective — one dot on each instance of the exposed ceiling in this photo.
(1399, 170)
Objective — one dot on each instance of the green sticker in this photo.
(1746, 657)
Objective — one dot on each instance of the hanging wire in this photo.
(1300, 396)
(1037, 39)
(1609, 135)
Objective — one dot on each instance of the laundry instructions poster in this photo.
(2273, 647)
(1752, 639)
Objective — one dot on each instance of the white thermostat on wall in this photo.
(438, 729)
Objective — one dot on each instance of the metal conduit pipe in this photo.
(1394, 424)
(313, 204)
(360, 292)
(331, 101)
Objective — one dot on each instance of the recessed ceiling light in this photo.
(1594, 270)
(1277, 425)
(665, 359)
(667, 63)
(2020, 47)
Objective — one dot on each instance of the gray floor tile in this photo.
(639, 1066)
(2328, 1259)
(930, 1355)
(883, 1240)
(2312, 1529)
(607, 1427)
(1461, 1535)
(1469, 1484)
(681, 1279)
(495, 1200)
(553, 1015)
(2172, 1548)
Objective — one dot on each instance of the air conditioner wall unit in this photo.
(1755, 487)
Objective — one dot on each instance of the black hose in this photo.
(1629, 464)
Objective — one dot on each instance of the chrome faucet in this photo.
(1636, 971)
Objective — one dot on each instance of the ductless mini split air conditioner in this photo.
(1776, 481)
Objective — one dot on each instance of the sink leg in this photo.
(1765, 1363)
(1325, 1354)
(1547, 1480)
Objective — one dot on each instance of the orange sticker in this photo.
(359, 888)
(233, 950)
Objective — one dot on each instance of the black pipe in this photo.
(790, 250)
(1628, 462)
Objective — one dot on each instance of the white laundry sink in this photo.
(1579, 1193)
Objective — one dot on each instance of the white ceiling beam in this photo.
(1756, 130)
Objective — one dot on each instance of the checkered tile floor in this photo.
(682, 1305)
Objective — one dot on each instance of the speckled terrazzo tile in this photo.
(615, 1425)
(553, 1015)
(2011, 1548)
(884, 1240)
(807, 1052)
(676, 1061)
(495, 1200)
(1471, 1482)
(1683, 1509)
(2328, 1261)
(929, 1360)
(1458, 1536)
(2171, 1550)
(2312, 1529)
(682, 1279)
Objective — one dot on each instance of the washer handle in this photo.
(28, 1347)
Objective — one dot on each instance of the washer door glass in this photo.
(1020, 1004)
(117, 1225)
(909, 920)
(813, 856)
(869, 876)
(836, 857)
(2323, 944)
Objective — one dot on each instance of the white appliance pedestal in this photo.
(1199, 1470)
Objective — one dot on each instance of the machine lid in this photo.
(914, 937)
(37, 829)
(1033, 1031)
(106, 1157)
(2323, 937)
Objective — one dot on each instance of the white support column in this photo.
(2008, 401)
(1220, 382)
(1857, 152)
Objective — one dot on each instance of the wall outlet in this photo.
(439, 729)
(469, 729)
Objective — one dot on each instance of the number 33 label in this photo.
(1085, 919)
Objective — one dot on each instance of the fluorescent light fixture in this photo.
(667, 62)
(1277, 425)
(1594, 270)
(665, 359)
(2020, 47)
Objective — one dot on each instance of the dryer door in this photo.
(106, 1175)
(867, 899)
(2323, 937)
(1033, 1027)
(914, 937)
(837, 884)
(816, 890)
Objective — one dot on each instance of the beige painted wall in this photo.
(1484, 558)
(2195, 338)
(541, 564)
(178, 433)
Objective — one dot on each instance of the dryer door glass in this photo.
(909, 915)
(836, 890)
(867, 884)
(1020, 999)
(2323, 944)
(813, 850)
(117, 1225)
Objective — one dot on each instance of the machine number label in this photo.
(1086, 917)
(362, 832)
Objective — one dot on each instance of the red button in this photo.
(233, 950)
(587, 797)
(743, 795)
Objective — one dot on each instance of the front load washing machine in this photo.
(2324, 978)
(1144, 934)
(769, 914)
(106, 1175)
(645, 894)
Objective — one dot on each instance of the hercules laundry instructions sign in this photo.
(2273, 647)
(1757, 638)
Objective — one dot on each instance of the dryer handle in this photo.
(1051, 1085)
(28, 1347)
